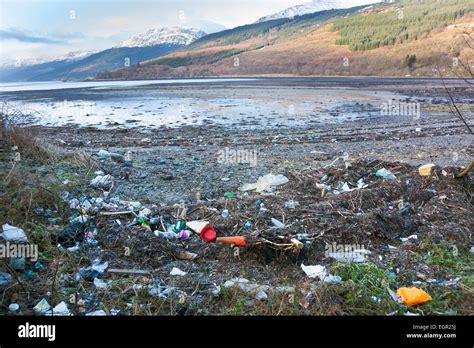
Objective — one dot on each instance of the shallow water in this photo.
(176, 103)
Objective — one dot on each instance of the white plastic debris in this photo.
(386, 174)
(102, 181)
(230, 283)
(81, 218)
(42, 306)
(291, 204)
(61, 309)
(246, 286)
(98, 266)
(145, 212)
(99, 313)
(101, 284)
(320, 272)
(197, 226)
(13, 234)
(177, 272)
(13, 307)
(361, 184)
(413, 236)
(266, 182)
(278, 224)
(216, 291)
(323, 187)
(261, 295)
(393, 295)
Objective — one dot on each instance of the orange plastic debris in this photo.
(238, 240)
(413, 296)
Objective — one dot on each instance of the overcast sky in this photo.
(49, 28)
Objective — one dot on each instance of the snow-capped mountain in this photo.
(69, 57)
(161, 36)
(316, 6)
(76, 55)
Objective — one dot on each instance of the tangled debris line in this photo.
(375, 204)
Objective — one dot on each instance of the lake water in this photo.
(231, 102)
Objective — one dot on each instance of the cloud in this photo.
(21, 36)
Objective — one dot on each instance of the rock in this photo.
(117, 158)
(166, 176)
(103, 154)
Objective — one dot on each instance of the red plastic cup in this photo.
(208, 234)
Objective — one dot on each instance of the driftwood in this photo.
(128, 271)
(465, 170)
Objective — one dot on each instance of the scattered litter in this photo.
(98, 266)
(323, 187)
(5, 278)
(102, 181)
(291, 204)
(128, 271)
(320, 272)
(247, 225)
(393, 295)
(225, 213)
(208, 234)
(376, 299)
(167, 235)
(13, 307)
(17, 263)
(145, 212)
(42, 307)
(186, 255)
(413, 236)
(60, 310)
(413, 296)
(197, 226)
(264, 183)
(386, 174)
(13, 234)
(99, 313)
(177, 272)
(235, 240)
(261, 295)
(101, 284)
(278, 224)
(425, 170)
